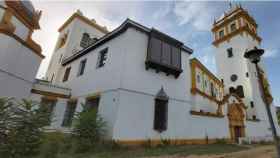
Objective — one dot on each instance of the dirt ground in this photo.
(267, 151)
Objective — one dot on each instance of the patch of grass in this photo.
(135, 152)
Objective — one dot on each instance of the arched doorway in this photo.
(236, 116)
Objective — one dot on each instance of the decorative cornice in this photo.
(84, 19)
(240, 30)
(18, 10)
(196, 63)
(239, 13)
(196, 90)
(51, 94)
(8, 30)
(208, 114)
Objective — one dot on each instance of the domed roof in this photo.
(29, 8)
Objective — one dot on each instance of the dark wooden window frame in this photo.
(69, 113)
(92, 99)
(230, 52)
(102, 57)
(160, 115)
(174, 69)
(66, 74)
(82, 67)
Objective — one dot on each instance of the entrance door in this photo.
(237, 132)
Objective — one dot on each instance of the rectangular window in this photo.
(252, 104)
(92, 103)
(164, 54)
(229, 52)
(221, 33)
(102, 57)
(69, 113)
(160, 117)
(49, 104)
(254, 117)
(82, 67)
(247, 74)
(213, 94)
(66, 74)
(233, 27)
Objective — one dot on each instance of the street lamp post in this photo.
(254, 56)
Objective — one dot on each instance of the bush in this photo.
(23, 127)
(55, 143)
(165, 142)
(221, 141)
(89, 129)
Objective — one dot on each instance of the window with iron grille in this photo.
(49, 104)
(66, 74)
(82, 67)
(160, 117)
(102, 58)
(69, 113)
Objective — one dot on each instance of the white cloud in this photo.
(198, 14)
(163, 10)
(271, 53)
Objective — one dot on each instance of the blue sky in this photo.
(186, 21)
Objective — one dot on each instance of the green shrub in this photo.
(165, 142)
(221, 141)
(89, 129)
(24, 133)
(55, 143)
(147, 143)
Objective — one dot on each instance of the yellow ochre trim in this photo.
(236, 32)
(84, 19)
(196, 63)
(7, 28)
(94, 95)
(172, 141)
(239, 13)
(49, 94)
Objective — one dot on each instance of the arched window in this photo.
(85, 40)
(161, 111)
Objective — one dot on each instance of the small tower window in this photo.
(254, 117)
(85, 40)
(233, 77)
(161, 111)
(198, 78)
(252, 104)
(102, 57)
(221, 33)
(52, 77)
(229, 53)
(66, 74)
(233, 27)
(247, 74)
(212, 90)
(82, 67)
(240, 91)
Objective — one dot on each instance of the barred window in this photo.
(69, 113)
(49, 104)
(85, 40)
(161, 111)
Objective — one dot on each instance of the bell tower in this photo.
(235, 32)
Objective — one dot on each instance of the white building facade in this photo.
(143, 83)
(20, 56)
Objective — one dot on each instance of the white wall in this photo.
(21, 30)
(19, 61)
(136, 116)
(75, 31)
